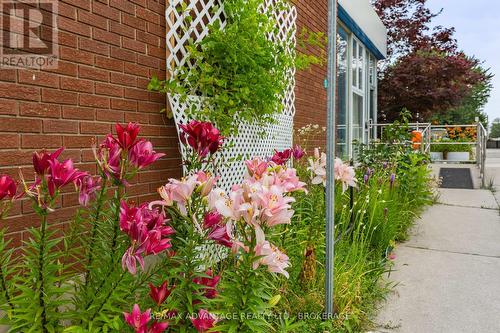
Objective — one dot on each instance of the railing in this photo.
(430, 133)
(482, 139)
(376, 134)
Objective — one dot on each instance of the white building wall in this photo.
(362, 12)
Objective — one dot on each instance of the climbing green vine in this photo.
(239, 72)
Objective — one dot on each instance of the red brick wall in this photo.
(310, 94)
(108, 50)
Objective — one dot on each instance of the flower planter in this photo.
(437, 156)
(458, 156)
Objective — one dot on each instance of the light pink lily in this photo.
(130, 259)
(275, 260)
(275, 206)
(345, 174)
(206, 182)
(256, 167)
(317, 167)
(287, 178)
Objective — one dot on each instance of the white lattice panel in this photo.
(248, 143)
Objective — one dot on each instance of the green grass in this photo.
(382, 215)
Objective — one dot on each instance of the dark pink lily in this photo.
(8, 187)
(137, 320)
(158, 327)
(297, 152)
(281, 157)
(220, 235)
(160, 294)
(202, 136)
(41, 160)
(210, 282)
(62, 174)
(203, 321)
(109, 157)
(87, 187)
(127, 134)
(148, 233)
(211, 219)
(142, 154)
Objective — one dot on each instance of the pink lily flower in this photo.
(109, 157)
(287, 178)
(130, 259)
(147, 231)
(137, 320)
(281, 157)
(275, 260)
(62, 174)
(161, 293)
(256, 167)
(219, 234)
(275, 206)
(345, 174)
(211, 219)
(249, 212)
(210, 282)
(317, 166)
(158, 327)
(41, 160)
(206, 182)
(181, 191)
(8, 187)
(297, 152)
(203, 137)
(204, 321)
(156, 243)
(87, 186)
(127, 134)
(142, 154)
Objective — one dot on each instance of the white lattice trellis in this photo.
(249, 142)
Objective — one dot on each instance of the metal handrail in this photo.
(427, 130)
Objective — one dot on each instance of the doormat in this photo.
(456, 178)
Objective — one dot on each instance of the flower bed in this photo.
(199, 259)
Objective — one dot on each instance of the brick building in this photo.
(108, 50)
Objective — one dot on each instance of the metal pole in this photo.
(330, 151)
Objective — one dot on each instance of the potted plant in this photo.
(459, 152)
(438, 152)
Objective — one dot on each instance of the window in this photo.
(342, 93)
(372, 93)
(356, 92)
(358, 95)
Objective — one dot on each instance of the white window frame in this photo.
(359, 89)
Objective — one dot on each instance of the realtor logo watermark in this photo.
(29, 34)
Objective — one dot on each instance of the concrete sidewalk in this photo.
(448, 274)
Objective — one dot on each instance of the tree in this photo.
(428, 83)
(472, 106)
(407, 23)
(495, 129)
(424, 72)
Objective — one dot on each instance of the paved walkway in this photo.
(448, 274)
